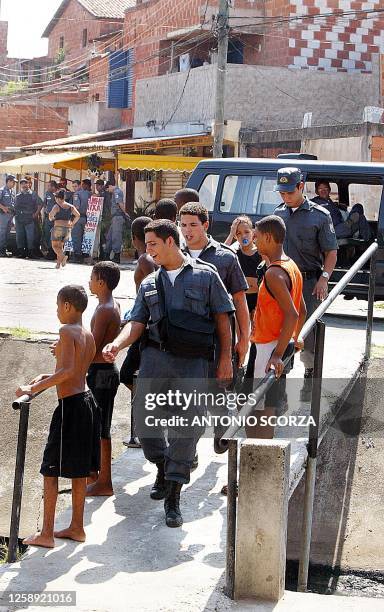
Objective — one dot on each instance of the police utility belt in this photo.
(182, 333)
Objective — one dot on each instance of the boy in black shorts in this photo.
(73, 447)
(103, 377)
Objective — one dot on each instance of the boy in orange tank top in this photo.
(280, 312)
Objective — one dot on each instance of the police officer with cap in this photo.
(48, 204)
(114, 237)
(80, 199)
(27, 207)
(7, 203)
(191, 294)
(311, 243)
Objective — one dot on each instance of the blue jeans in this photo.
(25, 234)
(5, 228)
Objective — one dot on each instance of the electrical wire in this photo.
(337, 16)
(39, 91)
(79, 60)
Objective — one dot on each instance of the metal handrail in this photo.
(23, 404)
(267, 382)
(313, 437)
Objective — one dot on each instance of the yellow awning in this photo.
(39, 162)
(157, 162)
(42, 161)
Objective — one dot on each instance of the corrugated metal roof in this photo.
(55, 144)
(132, 142)
(101, 9)
(107, 8)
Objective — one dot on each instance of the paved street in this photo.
(132, 561)
(28, 292)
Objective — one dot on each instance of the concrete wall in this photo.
(348, 149)
(20, 361)
(93, 117)
(262, 97)
(348, 510)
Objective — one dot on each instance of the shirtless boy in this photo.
(73, 447)
(103, 378)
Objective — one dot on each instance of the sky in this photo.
(26, 22)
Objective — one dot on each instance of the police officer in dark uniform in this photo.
(194, 222)
(27, 206)
(194, 289)
(7, 203)
(311, 243)
(114, 236)
(48, 203)
(63, 184)
(80, 199)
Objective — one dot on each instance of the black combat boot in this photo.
(173, 516)
(21, 254)
(116, 258)
(158, 489)
(195, 462)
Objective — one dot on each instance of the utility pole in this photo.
(222, 34)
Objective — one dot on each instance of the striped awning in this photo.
(157, 162)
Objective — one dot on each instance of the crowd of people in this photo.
(203, 309)
(44, 225)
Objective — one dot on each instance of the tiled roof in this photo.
(100, 9)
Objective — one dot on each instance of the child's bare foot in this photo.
(40, 540)
(64, 261)
(99, 489)
(71, 533)
(58, 264)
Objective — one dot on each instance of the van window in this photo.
(251, 195)
(309, 190)
(269, 199)
(367, 195)
(234, 194)
(208, 191)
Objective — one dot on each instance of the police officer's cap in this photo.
(24, 180)
(11, 177)
(287, 179)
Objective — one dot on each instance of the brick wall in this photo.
(23, 124)
(146, 28)
(71, 25)
(332, 44)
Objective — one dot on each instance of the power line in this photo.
(98, 62)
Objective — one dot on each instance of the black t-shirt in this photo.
(249, 264)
